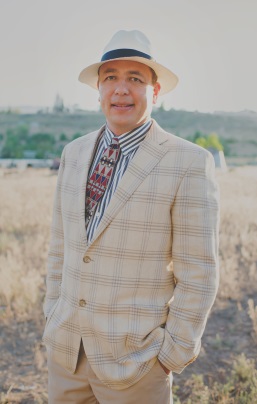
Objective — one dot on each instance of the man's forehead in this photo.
(130, 67)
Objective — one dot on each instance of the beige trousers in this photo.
(83, 387)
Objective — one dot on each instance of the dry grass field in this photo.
(225, 371)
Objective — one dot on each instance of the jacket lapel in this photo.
(146, 158)
(86, 153)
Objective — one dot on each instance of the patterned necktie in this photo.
(98, 182)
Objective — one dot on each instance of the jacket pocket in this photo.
(146, 327)
(51, 313)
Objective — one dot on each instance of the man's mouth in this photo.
(122, 106)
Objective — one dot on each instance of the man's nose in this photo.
(121, 88)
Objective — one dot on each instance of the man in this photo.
(132, 269)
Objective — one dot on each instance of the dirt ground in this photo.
(23, 372)
(228, 334)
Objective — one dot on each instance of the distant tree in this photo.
(193, 138)
(76, 135)
(207, 141)
(22, 131)
(198, 135)
(210, 141)
(15, 141)
(12, 147)
(214, 142)
(202, 141)
(42, 143)
(63, 137)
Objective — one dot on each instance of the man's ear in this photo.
(156, 90)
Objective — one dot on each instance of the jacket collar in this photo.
(148, 155)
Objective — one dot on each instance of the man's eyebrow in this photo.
(110, 70)
(136, 72)
(132, 72)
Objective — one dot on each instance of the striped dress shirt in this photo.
(129, 143)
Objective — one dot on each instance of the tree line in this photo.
(19, 143)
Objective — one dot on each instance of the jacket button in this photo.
(86, 259)
(82, 303)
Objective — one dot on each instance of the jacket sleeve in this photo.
(56, 248)
(195, 221)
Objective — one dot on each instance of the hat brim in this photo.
(167, 79)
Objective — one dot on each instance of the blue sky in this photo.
(210, 45)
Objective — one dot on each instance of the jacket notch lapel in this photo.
(146, 158)
(85, 155)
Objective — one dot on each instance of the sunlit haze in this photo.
(210, 45)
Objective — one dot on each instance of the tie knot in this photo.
(115, 143)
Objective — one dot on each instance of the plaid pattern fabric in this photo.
(99, 180)
(143, 286)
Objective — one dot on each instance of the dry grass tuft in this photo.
(238, 232)
(25, 207)
(252, 311)
(238, 387)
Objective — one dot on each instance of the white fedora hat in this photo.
(130, 45)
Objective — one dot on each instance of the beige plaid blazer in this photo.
(143, 287)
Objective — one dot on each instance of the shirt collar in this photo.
(128, 141)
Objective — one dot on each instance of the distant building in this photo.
(55, 164)
(58, 104)
(29, 154)
(219, 158)
(25, 163)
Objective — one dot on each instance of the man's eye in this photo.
(136, 79)
(110, 78)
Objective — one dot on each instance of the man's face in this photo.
(127, 94)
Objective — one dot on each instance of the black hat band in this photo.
(123, 53)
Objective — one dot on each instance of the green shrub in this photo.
(210, 142)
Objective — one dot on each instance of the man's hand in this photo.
(167, 371)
